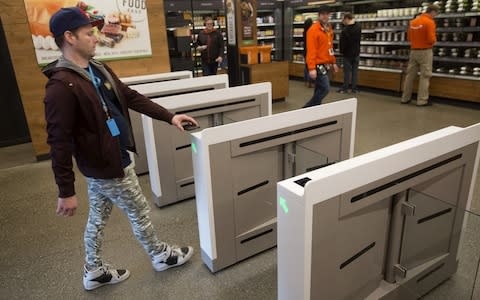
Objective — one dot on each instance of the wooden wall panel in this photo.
(30, 80)
(296, 70)
(376, 79)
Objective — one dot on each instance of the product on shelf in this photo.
(266, 33)
(470, 53)
(465, 70)
(476, 71)
(453, 71)
(441, 70)
(265, 20)
(298, 31)
(475, 6)
(442, 52)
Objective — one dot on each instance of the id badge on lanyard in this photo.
(111, 124)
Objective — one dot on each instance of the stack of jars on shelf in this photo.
(457, 6)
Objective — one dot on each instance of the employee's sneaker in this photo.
(405, 101)
(173, 256)
(355, 91)
(424, 103)
(103, 275)
(341, 91)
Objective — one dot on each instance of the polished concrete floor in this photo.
(41, 255)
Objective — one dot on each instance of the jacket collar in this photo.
(63, 63)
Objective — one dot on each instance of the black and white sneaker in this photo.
(172, 257)
(103, 275)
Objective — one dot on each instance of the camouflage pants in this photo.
(126, 194)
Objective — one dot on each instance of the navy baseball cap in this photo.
(70, 18)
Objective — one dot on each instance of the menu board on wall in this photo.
(124, 35)
(248, 23)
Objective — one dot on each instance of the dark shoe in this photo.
(341, 91)
(355, 91)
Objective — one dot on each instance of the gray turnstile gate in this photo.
(384, 225)
(164, 89)
(237, 166)
(169, 151)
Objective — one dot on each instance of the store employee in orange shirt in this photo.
(422, 37)
(320, 58)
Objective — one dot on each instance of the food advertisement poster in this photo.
(124, 34)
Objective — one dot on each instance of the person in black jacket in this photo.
(350, 49)
(210, 43)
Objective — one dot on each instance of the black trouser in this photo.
(210, 68)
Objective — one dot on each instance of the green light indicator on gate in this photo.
(283, 204)
(194, 148)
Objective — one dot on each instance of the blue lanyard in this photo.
(96, 83)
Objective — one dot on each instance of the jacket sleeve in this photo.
(311, 49)
(139, 102)
(334, 59)
(431, 34)
(220, 45)
(343, 41)
(60, 106)
(200, 39)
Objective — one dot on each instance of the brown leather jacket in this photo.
(76, 123)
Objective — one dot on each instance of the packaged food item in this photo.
(106, 41)
(132, 33)
(453, 71)
(112, 24)
(126, 21)
(465, 70)
(116, 37)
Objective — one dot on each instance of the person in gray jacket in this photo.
(86, 109)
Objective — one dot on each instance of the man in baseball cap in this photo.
(86, 109)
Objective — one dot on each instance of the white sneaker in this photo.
(172, 257)
(103, 275)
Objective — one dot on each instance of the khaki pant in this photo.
(420, 60)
